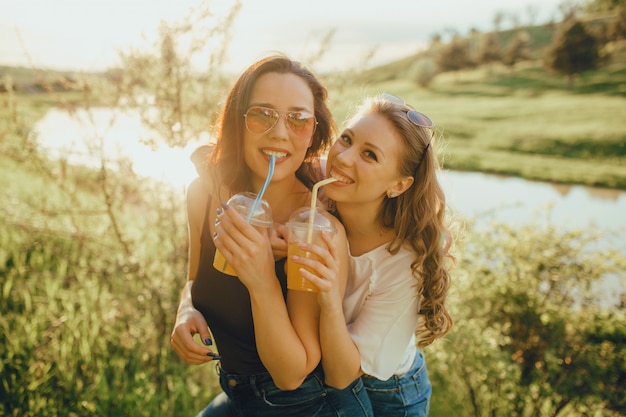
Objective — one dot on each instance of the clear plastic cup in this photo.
(301, 230)
(261, 218)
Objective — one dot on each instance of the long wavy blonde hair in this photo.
(418, 217)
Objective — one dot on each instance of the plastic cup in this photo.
(261, 218)
(300, 229)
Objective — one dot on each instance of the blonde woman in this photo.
(392, 206)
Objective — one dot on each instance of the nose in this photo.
(280, 130)
(345, 157)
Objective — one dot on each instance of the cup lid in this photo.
(243, 203)
(301, 217)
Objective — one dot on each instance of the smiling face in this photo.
(284, 93)
(366, 159)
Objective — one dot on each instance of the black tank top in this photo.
(225, 304)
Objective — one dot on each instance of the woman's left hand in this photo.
(245, 248)
(278, 241)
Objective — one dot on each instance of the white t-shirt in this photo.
(380, 307)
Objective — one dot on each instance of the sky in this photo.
(87, 35)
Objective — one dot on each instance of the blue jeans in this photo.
(406, 395)
(257, 396)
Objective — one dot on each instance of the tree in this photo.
(569, 9)
(424, 71)
(604, 5)
(517, 50)
(497, 21)
(176, 95)
(455, 55)
(617, 29)
(489, 50)
(573, 51)
(435, 40)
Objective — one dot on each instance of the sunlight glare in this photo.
(87, 138)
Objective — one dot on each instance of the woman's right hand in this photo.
(190, 322)
(327, 273)
(247, 249)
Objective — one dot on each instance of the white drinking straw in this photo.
(309, 235)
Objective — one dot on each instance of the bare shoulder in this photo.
(197, 196)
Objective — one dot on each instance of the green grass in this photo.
(85, 312)
(523, 122)
(86, 315)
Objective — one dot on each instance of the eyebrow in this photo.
(271, 106)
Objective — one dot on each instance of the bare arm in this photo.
(340, 356)
(287, 339)
(383, 329)
(190, 321)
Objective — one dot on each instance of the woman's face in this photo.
(366, 159)
(284, 93)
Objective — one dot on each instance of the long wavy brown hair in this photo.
(419, 218)
(227, 161)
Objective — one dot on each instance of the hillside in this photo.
(514, 120)
(540, 37)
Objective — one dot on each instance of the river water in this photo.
(83, 138)
(80, 138)
(485, 198)
(482, 197)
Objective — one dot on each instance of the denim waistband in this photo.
(261, 379)
(257, 395)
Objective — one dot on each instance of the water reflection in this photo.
(103, 134)
(486, 197)
(86, 137)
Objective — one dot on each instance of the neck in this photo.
(363, 227)
(284, 197)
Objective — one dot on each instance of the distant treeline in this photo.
(583, 40)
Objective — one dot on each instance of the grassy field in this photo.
(522, 123)
(92, 262)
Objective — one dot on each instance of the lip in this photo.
(342, 177)
(281, 154)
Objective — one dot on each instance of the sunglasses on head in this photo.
(262, 119)
(417, 118)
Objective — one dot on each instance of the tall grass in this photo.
(92, 262)
(91, 266)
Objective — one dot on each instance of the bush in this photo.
(424, 72)
(531, 336)
(85, 325)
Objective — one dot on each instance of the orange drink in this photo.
(219, 263)
(258, 213)
(301, 230)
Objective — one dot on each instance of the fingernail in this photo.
(215, 356)
(208, 341)
(226, 206)
(219, 211)
(217, 221)
(214, 235)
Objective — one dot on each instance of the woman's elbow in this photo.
(288, 383)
